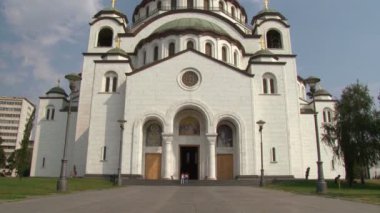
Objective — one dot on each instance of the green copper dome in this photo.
(117, 51)
(322, 92)
(191, 24)
(57, 90)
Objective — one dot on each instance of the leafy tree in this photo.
(355, 134)
(2, 155)
(23, 155)
(11, 161)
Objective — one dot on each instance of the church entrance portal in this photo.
(189, 161)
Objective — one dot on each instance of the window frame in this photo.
(98, 40)
(270, 42)
(110, 79)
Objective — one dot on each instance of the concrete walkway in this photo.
(184, 199)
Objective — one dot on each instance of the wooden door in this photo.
(225, 167)
(152, 166)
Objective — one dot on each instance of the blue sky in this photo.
(41, 41)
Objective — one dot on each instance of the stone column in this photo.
(211, 156)
(167, 148)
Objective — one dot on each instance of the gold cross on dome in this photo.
(262, 43)
(113, 3)
(118, 41)
(266, 3)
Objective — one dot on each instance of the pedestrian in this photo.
(182, 178)
(307, 173)
(186, 177)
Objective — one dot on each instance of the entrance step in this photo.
(191, 182)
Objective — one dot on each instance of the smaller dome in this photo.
(117, 51)
(263, 52)
(110, 10)
(269, 12)
(322, 92)
(57, 90)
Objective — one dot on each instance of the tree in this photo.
(355, 134)
(3, 158)
(23, 155)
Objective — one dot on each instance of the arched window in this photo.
(190, 45)
(224, 54)
(274, 39)
(110, 82)
(105, 37)
(206, 4)
(269, 84)
(103, 153)
(221, 6)
(233, 12)
(153, 134)
(155, 53)
(159, 5)
(235, 58)
(173, 4)
(144, 57)
(147, 11)
(190, 3)
(225, 136)
(327, 115)
(171, 49)
(189, 126)
(273, 158)
(208, 49)
(50, 112)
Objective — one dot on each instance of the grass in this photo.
(368, 193)
(15, 188)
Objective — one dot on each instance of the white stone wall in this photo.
(106, 109)
(310, 146)
(50, 139)
(157, 91)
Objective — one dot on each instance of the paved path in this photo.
(185, 199)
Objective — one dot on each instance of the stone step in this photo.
(191, 182)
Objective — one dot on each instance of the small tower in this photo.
(274, 29)
(105, 27)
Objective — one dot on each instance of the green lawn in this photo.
(368, 193)
(15, 188)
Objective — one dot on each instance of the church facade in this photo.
(181, 89)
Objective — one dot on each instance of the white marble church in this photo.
(191, 79)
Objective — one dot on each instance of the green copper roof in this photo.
(57, 90)
(117, 51)
(322, 92)
(191, 24)
(263, 52)
(265, 12)
(269, 10)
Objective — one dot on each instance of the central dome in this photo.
(191, 24)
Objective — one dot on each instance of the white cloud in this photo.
(41, 28)
(49, 22)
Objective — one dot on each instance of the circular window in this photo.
(189, 79)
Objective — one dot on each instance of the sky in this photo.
(42, 41)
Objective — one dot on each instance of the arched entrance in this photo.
(189, 143)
